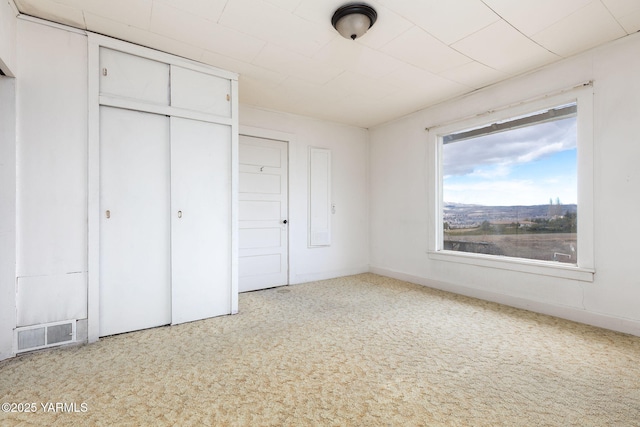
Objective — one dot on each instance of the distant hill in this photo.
(462, 215)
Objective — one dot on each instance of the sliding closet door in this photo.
(201, 219)
(135, 264)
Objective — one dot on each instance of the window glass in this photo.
(510, 188)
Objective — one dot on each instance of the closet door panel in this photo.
(130, 76)
(200, 92)
(135, 264)
(201, 219)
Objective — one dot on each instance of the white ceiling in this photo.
(419, 52)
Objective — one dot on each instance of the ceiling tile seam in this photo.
(450, 46)
(455, 81)
(414, 24)
(573, 13)
(143, 29)
(268, 42)
(523, 34)
(615, 18)
(151, 31)
(293, 15)
(85, 12)
(224, 9)
(289, 74)
(185, 12)
(400, 87)
(402, 60)
(153, 5)
(471, 61)
(252, 62)
(336, 77)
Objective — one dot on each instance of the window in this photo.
(514, 188)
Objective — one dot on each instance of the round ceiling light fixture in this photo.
(353, 20)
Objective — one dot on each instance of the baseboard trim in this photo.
(324, 275)
(600, 320)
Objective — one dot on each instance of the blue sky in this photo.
(525, 166)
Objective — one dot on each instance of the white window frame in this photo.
(585, 268)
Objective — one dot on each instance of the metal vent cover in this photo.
(46, 335)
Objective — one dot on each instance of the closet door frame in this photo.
(95, 99)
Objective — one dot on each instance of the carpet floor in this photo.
(363, 350)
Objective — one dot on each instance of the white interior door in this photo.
(263, 230)
(201, 219)
(135, 266)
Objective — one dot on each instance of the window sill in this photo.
(545, 268)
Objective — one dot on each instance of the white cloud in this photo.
(511, 147)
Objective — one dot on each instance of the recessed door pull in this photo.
(108, 213)
(179, 214)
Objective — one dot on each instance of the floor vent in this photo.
(42, 336)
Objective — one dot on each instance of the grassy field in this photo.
(532, 246)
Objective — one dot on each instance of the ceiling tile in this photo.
(208, 9)
(501, 47)
(288, 5)
(402, 103)
(275, 58)
(419, 52)
(131, 12)
(627, 12)
(424, 51)
(358, 110)
(185, 27)
(271, 24)
(357, 58)
(52, 11)
(532, 16)
(622, 7)
(142, 37)
(309, 93)
(449, 21)
(588, 27)
(320, 12)
(428, 84)
(254, 92)
(357, 84)
(256, 73)
(474, 75)
(631, 22)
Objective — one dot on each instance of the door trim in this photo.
(294, 221)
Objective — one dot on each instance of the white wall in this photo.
(399, 195)
(7, 215)
(348, 253)
(52, 174)
(7, 179)
(8, 15)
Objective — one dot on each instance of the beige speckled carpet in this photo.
(363, 350)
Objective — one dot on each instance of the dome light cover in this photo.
(353, 20)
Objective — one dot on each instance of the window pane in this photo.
(513, 192)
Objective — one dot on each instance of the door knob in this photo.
(108, 214)
(284, 222)
(179, 214)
